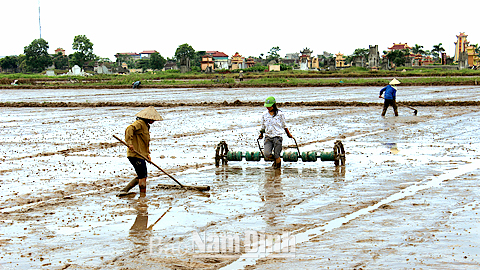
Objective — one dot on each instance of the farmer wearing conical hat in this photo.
(137, 137)
(390, 96)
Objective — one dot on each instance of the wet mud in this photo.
(407, 198)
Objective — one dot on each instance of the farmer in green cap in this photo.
(273, 126)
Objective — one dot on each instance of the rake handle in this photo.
(149, 161)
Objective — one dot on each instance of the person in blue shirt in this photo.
(390, 96)
(136, 84)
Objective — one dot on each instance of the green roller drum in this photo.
(290, 156)
(234, 156)
(327, 156)
(310, 156)
(252, 156)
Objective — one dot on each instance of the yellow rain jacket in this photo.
(138, 135)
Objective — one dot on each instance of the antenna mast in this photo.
(39, 25)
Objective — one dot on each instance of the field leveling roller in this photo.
(223, 154)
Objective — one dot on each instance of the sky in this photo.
(250, 27)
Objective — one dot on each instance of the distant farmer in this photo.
(137, 137)
(240, 76)
(390, 96)
(136, 84)
(273, 126)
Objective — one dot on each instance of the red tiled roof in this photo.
(148, 52)
(128, 53)
(216, 54)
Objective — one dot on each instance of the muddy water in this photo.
(408, 197)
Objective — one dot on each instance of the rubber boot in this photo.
(130, 185)
(278, 165)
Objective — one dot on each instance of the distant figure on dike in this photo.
(240, 75)
(136, 84)
(390, 96)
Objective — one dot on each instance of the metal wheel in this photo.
(221, 153)
(339, 153)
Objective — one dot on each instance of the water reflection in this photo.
(273, 197)
(392, 147)
(141, 221)
(339, 173)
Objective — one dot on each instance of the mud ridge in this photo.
(236, 103)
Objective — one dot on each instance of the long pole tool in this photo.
(403, 105)
(120, 140)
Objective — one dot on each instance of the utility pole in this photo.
(39, 25)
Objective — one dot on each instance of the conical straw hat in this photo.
(150, 113)
(394, 81)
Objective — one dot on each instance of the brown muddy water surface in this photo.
(408, 197)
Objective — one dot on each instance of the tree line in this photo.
(36, 57)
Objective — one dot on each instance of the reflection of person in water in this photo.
(393, 147)
(141, 221)
(272, 196)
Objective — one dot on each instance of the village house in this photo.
(127, 56)
(473, 59)
(60, 50)
(207, 63)
(146, 54)
(220, 59)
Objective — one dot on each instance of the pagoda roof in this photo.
(399, 46)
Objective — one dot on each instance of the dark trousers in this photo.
(389, 102)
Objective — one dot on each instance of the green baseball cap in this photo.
(269, 102)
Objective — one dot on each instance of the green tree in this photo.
(9, 63)
(398, 57)
(84, 51)
(273, 54)
(60, 61)
(144, 64)
(197, 59)
(184, 54)
(157, 61)
(437, 50)
(476, 48)
(417, 49)
(37, 57)
(285, 67)
(361, 53)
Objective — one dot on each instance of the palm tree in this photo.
(418, 49)
(477, 48)
(437, 49)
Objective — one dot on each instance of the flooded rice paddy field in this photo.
(407, 198)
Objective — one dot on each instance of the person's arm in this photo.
(262, 129)
(381, 92)
(288, 133)
(129, 136)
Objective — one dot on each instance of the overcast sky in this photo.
(250, 27)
